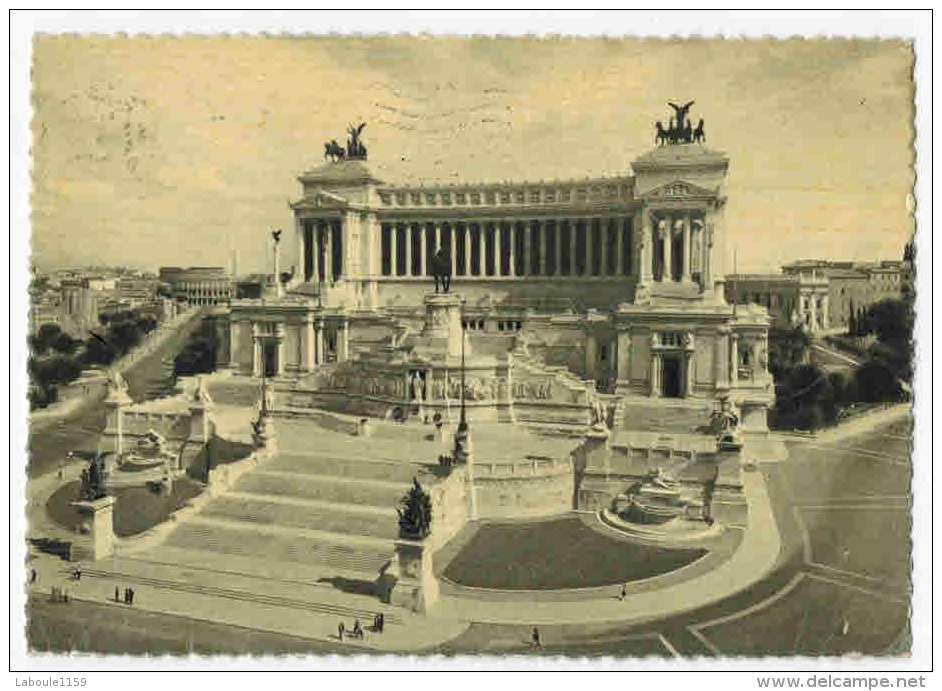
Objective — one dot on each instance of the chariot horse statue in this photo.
(333, 151)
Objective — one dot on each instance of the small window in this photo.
(489, 198)
(446, 197)
(400, 197)
(521, 197)
(430, 198)
(475, 197)
(549, 196)
(535, 196)
(416, 198)
(460, 198)
(505, 197)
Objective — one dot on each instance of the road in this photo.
(80, 429)
(841, 585)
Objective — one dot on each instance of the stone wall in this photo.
(531, 487)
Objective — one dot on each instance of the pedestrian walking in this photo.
(32, 576)
(116, 596)
(624, 591)
(536, 638)
(127, 596)
(357, 629)
(340, 630)
(131, 597)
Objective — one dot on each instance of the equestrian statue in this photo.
(441, 270)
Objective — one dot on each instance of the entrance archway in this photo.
(671, 379)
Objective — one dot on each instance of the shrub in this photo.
(415, 514)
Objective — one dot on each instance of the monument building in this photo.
(617, 283)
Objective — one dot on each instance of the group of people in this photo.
(128, 595)
(379, 621)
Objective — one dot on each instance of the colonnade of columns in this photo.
(577, 247)
(312, 343)
(678, 243)
(321, 250)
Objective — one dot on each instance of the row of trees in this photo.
(57, 359)
(807, 397)
(199, 354)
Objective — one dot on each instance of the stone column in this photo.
(329, 253)
(590, 354)
(647, 239)
(309, 354)
(541, 246)
(279, 288)
(620, 251)
(573, 245)
(408, 232)
(655, 374)
(299, 225)
(559, 246)
(436, 236)
(280, 347)
(343, 342)
(668, 251)
(235, 344)
(393, 249)
(511, 236)
(623, 354)
(733, 358)
(720, 358)
(257, 354)
(319, 355)
(688, 374)
(527, 249)
(813, 309)
(482, 249)
(605, 231)
(685, 264)
(825, 306)
(423, 264)
(466, 231)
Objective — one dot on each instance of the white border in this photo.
(690, 22)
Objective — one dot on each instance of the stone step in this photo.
(691, 418)
(267, 510)
(347, 467)
(342, 552)
(322, 488)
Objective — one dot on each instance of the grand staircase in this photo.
(315, 515)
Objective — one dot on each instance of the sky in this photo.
(154, 151)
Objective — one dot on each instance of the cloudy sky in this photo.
(174, 151)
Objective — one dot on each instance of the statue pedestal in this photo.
(410, 580)
(100, 513)
(442, 330)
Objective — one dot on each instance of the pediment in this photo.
(678, 190)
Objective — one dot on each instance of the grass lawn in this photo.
(136, 508)
(562, 553)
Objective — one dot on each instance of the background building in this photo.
(199, 285)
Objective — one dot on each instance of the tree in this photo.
(45, 337)
(65, 344)
(415, 514)
(98, 352)
(876, 382)
(891, 320)
(788, 348)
